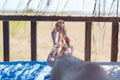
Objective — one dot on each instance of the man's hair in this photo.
(71, 68)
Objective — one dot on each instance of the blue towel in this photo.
(24, 70)
(34, 70)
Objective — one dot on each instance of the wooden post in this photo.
(6, 40)
(88, 41)
(33, 40)
(114, 44)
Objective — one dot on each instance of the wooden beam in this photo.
(88, 41)
(55, 18)
(114, 44)
(6, 40)
(33, 40)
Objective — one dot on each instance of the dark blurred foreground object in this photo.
(61, 43)
(70, 68)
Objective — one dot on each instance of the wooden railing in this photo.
(88, 22)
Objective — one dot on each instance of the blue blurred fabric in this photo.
(35, 70)
(24, 70)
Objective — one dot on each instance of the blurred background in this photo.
(20, 30)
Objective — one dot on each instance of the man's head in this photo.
(60, 25)
(71, 68)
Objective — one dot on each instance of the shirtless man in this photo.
(61, 43)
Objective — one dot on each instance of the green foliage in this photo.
(29, 10)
